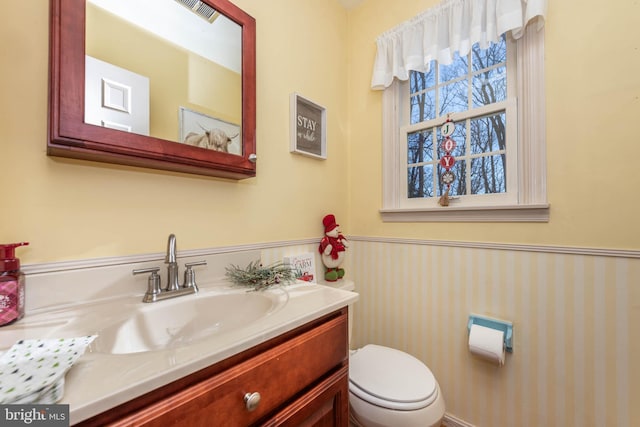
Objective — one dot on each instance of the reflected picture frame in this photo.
(308, 127)
(195, 122)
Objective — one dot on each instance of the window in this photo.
(495, 98)
(476, 92)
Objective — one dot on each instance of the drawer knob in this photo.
(252, 400)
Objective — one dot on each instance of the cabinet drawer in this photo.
(278, 374)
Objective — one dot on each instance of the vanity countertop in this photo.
(100, 380)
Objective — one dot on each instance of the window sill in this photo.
(512, 213)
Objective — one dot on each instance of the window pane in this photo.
(420, 147)
(495, 54)
(454, 97)
(459, 185)
(488, 133)
(458, 68)
(474, 81)
(459, 136)
(421, 81)
(423, 107)
(488, 174)
(489, 87)
(420, 182)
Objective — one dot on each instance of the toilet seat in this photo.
(390, 378)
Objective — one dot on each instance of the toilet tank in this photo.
(345, 285)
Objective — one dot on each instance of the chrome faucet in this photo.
(155, 292)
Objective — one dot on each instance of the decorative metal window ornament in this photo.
(447, 161)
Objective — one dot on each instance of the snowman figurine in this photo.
(332, 249)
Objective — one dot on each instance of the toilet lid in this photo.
(391, 379)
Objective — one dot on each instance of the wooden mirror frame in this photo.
(70, 136)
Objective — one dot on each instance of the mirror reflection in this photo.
(170, 69)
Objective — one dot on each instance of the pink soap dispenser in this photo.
(11, 285)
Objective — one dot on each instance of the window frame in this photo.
(531, 203)
(510, 197)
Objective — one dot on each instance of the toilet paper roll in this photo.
(487, 343)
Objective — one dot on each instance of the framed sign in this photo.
(308, 127)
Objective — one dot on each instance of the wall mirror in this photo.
(163, 84)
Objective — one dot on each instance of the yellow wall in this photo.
(593, 100)
(71, 209)
(593, 104)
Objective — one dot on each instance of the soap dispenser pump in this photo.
(11, 284)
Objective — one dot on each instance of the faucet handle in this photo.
(190, 275)
(153, 284)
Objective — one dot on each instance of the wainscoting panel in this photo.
(576, 341)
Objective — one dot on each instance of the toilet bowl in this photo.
(390, 388)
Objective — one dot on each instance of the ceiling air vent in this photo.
(201, 9)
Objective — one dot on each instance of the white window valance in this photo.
(452, 26)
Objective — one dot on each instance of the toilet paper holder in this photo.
(498, 324)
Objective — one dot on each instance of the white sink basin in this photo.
(178, 322)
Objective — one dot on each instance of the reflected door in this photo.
(116, 98)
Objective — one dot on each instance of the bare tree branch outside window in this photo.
(473, 81)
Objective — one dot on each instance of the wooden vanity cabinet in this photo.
(302, 378)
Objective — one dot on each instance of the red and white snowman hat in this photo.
(329, 222)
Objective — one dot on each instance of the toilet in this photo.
(391, 388)
(388, 388)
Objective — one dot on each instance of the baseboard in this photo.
(451, 421)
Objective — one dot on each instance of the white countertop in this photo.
(100, 381)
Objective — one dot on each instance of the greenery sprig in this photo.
(259, 277)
